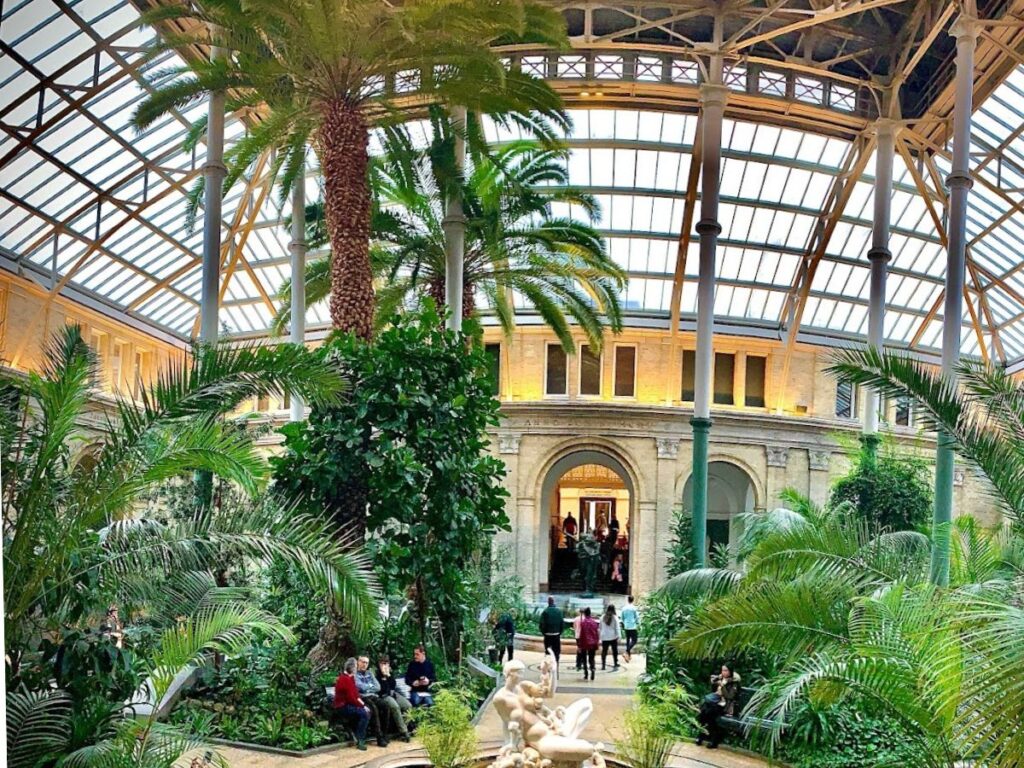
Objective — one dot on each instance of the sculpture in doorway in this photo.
(588, 554)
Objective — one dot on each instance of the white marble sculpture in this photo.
(536, 736)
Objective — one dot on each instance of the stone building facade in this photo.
(794, 439)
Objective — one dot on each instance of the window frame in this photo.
(558, 396)
(615, 369)
(746, 380)
(682, 375)
(579, 373)
(854, 395)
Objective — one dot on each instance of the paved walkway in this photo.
(611, 693)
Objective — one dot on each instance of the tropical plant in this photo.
(446, 731)
(850, 614)
(646, 742)
(514, 242)
(320, 74)
(982, 410)
(72, 545)
(415, 430)
(209, 619)
(888, 486)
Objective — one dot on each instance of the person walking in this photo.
(631, 625)
(589, 639)
(504, 635)
(552, 622)
(609, 637)
(576, 624)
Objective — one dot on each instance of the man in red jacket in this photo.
(348, 703)
(587, 642)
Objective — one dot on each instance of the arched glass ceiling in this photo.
(87, 206)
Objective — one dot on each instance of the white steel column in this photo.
(965, 31)
(879, 256)
(213, 181)
(454, 226)
(713, 95)
(298, 259)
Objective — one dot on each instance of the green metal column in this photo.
(965, 30)
(701, 430)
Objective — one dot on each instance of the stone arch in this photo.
(566, 456)
(732, 490)
(756, 480)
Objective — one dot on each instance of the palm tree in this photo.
(851, 614)
(514, 245)
(319, 74)
(983, 410)
(70, 496)
(205, 619)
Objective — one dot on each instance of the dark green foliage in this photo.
(680, 548)
(414, 430)
(847, 736)
(892, 490)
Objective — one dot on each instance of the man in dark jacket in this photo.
(504, 635)
(551, 624)
(419, 676)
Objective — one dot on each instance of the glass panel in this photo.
(903, 412)
(590, 371)
(755, 381)
(725, 369)
(689, 368)
(625, 371)
(494, 367)
(557, 371)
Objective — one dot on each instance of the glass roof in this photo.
(88, 202)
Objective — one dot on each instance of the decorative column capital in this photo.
(700, 425)
(819, 461)
(668, 447)
(509, 443)
(879, 254)
(778, 456)
(708, 227)
(886, 126)
(965, 28)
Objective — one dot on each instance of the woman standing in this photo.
(609, 637)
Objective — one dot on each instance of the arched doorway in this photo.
(586, 493)
(730, 492)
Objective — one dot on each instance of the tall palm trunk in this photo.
(436, 291)
(343, 139)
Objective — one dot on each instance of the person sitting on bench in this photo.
(725, 688)
(348, 703)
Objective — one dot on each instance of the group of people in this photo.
(371, 700)
(591, 634)
(612, 546)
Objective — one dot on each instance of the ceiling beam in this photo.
(838, 11)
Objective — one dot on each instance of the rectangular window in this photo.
(904, 414)
(140, 375)
(590, 371)
(286, 401)
(756, 367)
(689, 367)
(725, 371)
(846, 400)
(494, 367)
(556, 371)
(625, 371)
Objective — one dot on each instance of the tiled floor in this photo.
(611, 694)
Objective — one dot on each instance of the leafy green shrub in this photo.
(680, 548)
(892, 489)
(852, 738)
(645, 743)
(666, 699)
(306, 735)
(447, 732)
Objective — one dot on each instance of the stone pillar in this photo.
(454, 225)
(213, 181)
(818, 467)
(298, 264)
(641, 578)
(879, 256)
(713, 95)
(668, 463)
(775, 479)
(965, 30)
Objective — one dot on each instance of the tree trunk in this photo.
(435, 290)
(342, 140)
